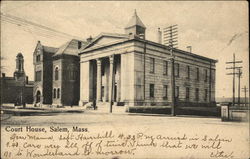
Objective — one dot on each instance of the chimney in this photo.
(79, 45)
(159, 36)
(89, 39)
(190, 48)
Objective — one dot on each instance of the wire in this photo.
(24, 21)
(25, 27)
(24, 5)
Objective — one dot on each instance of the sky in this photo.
(214, 29)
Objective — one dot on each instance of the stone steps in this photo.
(105, 108)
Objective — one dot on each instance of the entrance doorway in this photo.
(38, 97)
(115, 93)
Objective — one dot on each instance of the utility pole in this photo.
(245, 92)
(234, 73)
(239, 76)
(170, 39)
(190, 48)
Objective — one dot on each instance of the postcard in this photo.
(124, 79)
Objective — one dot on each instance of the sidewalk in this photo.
(105, 109)
(31, 110)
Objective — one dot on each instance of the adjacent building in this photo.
(17, 89)
(57, 74)
(131, 70)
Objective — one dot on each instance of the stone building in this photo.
(141, 71)
(17, 89)
(56, 73)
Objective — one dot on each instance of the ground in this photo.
(152, 125)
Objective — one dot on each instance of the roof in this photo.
(13, 82)
(31, 82)
(135, 20)
(49, 49)
(101, 35)
(19, 54)
(70, 48)
(149, 42)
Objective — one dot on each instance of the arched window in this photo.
(54, 93)
(38, 58)
(58, 93)
(56, 73)
(72, 72)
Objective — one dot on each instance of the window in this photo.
(151, 90)
(54, 93)
(58, 92)
(56, 73)
(152, 65)
(197, 94)
(165, 67)
(177, 70)
(188, 72)
(205, 72)
(38, 76)
(187, 93)
(211, 74)
(72, 74)
(177, 92)
(79, 44)
(38, 58)
(205, 95)
(197, 74)
(165, 92)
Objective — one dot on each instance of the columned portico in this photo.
(98, 82)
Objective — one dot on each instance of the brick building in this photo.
(141, 70)
(56, 73)
(17, 89)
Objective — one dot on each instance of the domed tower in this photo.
(19, 73)
(135, 26)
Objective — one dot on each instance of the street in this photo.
(150, 125)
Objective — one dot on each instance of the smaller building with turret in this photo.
(57, 74)
(17, 89)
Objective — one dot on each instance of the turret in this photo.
(135, 27)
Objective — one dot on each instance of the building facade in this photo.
(56, 73)
(17, 89)
(130, 70)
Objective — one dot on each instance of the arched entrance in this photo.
(38, 97)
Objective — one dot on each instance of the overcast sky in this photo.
(213, 29)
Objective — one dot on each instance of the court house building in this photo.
(130, 70)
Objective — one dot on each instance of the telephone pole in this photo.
(245, 89)
(233, 73)
(170, 35)
(239, 76)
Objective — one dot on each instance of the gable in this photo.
(38, 48)
(105, 40)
